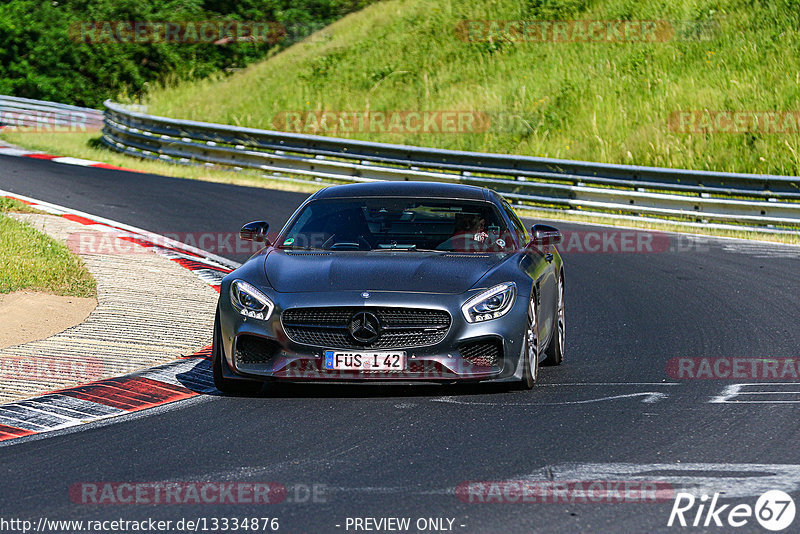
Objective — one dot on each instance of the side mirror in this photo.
(544, 235)
(255, 231)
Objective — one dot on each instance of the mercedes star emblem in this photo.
(365, 327)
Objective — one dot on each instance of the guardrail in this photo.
(39, 115)
(680, 195)
(760, 200)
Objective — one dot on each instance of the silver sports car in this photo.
(393, 281)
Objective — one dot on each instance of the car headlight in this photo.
(250, 301)
(490, 304)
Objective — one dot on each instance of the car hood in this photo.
(424, 272)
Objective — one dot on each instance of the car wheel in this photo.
(530, 349)
(227, 385)
(554, 354)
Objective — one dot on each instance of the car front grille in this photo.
(482, 353)
(399, 327)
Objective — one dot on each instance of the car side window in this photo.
(518, 226)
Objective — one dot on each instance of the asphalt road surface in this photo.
(611, 412)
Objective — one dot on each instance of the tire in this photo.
(554, 354)
(530, 352)
(228, 385)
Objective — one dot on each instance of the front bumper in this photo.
(281, 358)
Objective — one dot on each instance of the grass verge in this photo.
(9, 205)
(31, 260)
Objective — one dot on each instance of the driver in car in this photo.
(469, 234)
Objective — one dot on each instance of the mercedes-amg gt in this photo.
(393, 281)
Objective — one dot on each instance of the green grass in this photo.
(33, 261)
(10, 205)
(606, 102)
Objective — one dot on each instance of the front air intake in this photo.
(482, 353)
(255, 350)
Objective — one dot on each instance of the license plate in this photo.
(365, 361)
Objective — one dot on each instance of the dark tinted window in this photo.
(399, 223)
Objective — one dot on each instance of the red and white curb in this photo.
(12, 151)
(111, 397)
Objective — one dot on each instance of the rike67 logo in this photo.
(774, 510)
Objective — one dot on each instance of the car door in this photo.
(540, 266)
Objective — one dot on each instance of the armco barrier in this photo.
(759, 200)
(687, 195)
(45, 116)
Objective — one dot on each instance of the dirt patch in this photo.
(27, 316)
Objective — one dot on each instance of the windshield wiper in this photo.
(297, 247)
(406, 248)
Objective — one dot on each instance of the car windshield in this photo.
(398, 224)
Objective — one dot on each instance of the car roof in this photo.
(404, 189)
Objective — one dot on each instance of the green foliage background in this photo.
(38, 58)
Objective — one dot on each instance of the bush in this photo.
(40, 56)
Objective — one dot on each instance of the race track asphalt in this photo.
(610, 412)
